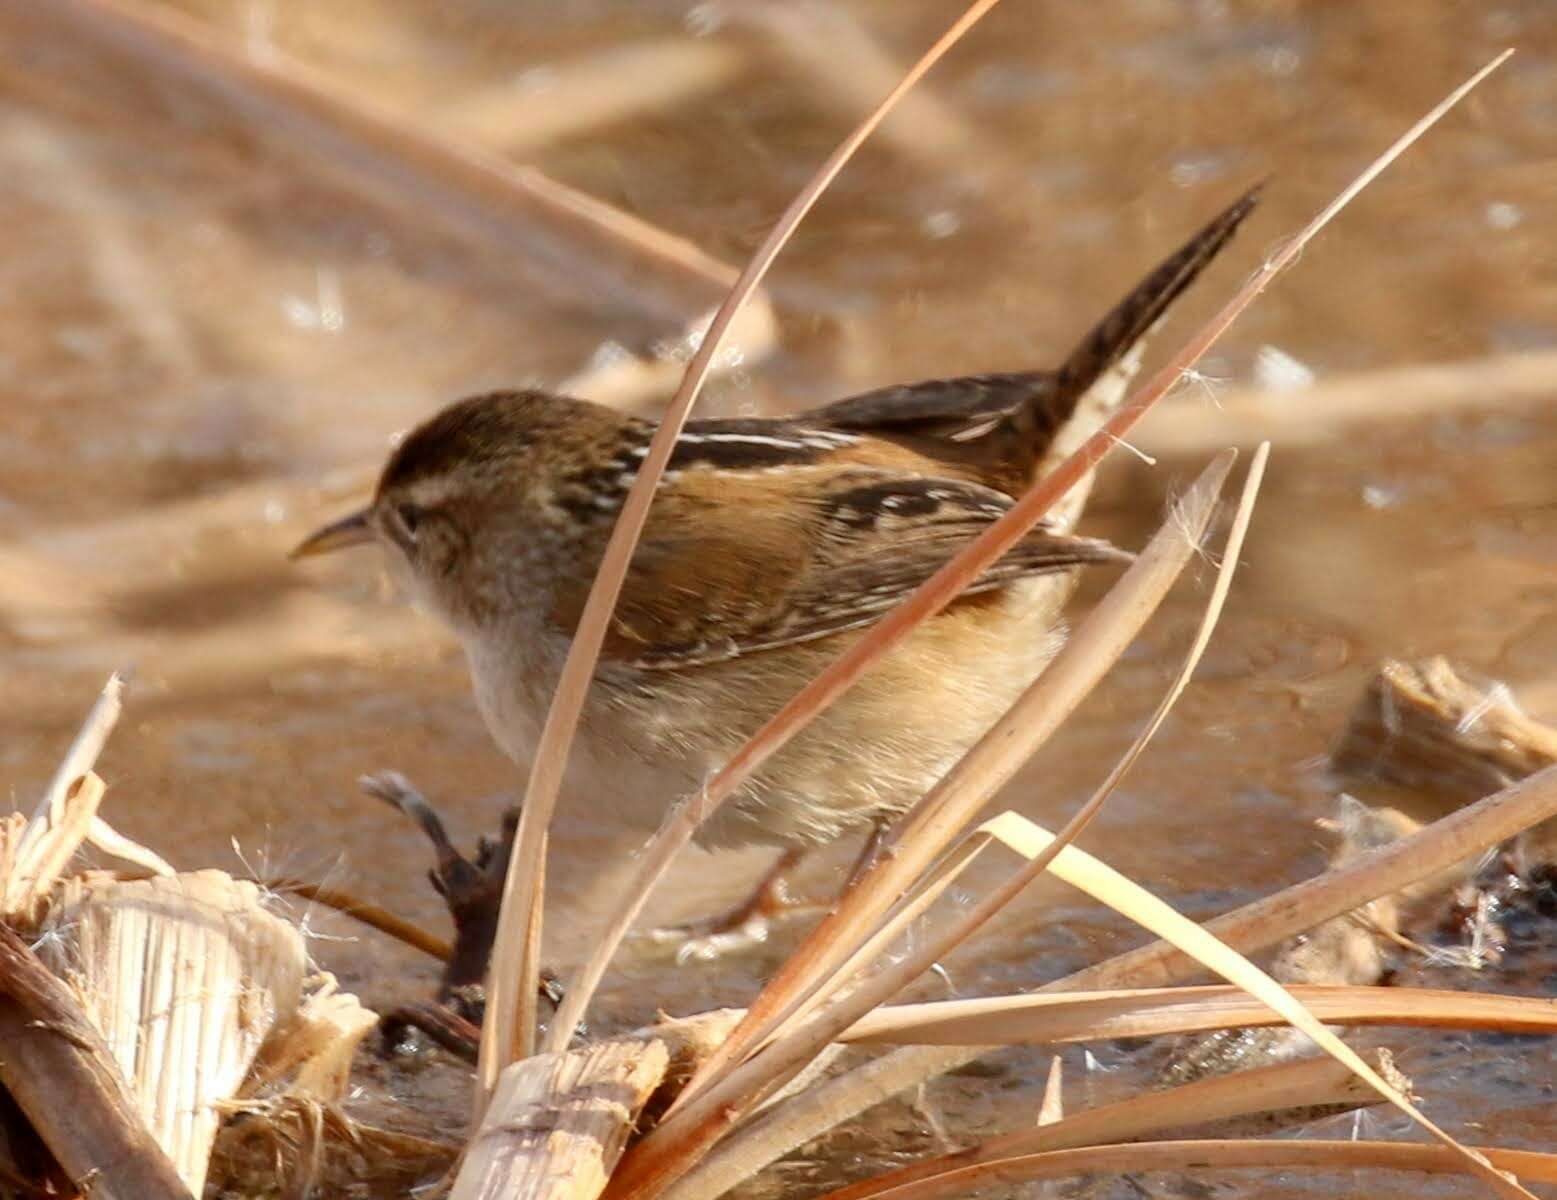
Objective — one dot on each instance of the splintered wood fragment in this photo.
(313, 1050)
(557, 1123)
(1425, 725)
(57, 1068)
(184, 977)
(37, 851)
(32, 855)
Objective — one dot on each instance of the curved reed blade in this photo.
(511, 1012)
(1200, 1156)
(943, 587)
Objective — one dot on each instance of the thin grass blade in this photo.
(1307, 1083)
(1038, 1019)
(1135, 902)
(992, 903)
(733, 1087)
(946, 584)
(1200, 1156)
(509, 1030)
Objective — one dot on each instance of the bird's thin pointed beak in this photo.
(338, 535)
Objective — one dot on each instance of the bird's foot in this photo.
(743, 927)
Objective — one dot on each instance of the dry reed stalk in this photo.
(473, 191)
(997, 899)
(37, 867)
(1307, 1084)
(61, 1075)
(184, 976)
(920, 836)
(509, 1030)
(34, 851)
(557, 1122)
(1342, 406)
(584, 93)
(1152, 1012)
(939, 590)
(370, 914)
(1465, 834)
(78, 760)
(1203, 1155)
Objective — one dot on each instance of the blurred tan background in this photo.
(247, 243)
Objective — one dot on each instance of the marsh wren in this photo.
(771, 544)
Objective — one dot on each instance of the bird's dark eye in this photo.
(410, 516)
(404, 520)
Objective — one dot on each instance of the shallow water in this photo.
(215, 319)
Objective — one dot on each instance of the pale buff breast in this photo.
(871, 754)
(881, 745)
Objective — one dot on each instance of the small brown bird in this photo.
(770, 545)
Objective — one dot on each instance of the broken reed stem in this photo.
(1200, 1156)
(557, 1122)
(1465, 834)
(510, 1024)
(713, 1102)
(78, 760)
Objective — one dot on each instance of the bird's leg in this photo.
(473, 891)
(869, 853)
(747, 924)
